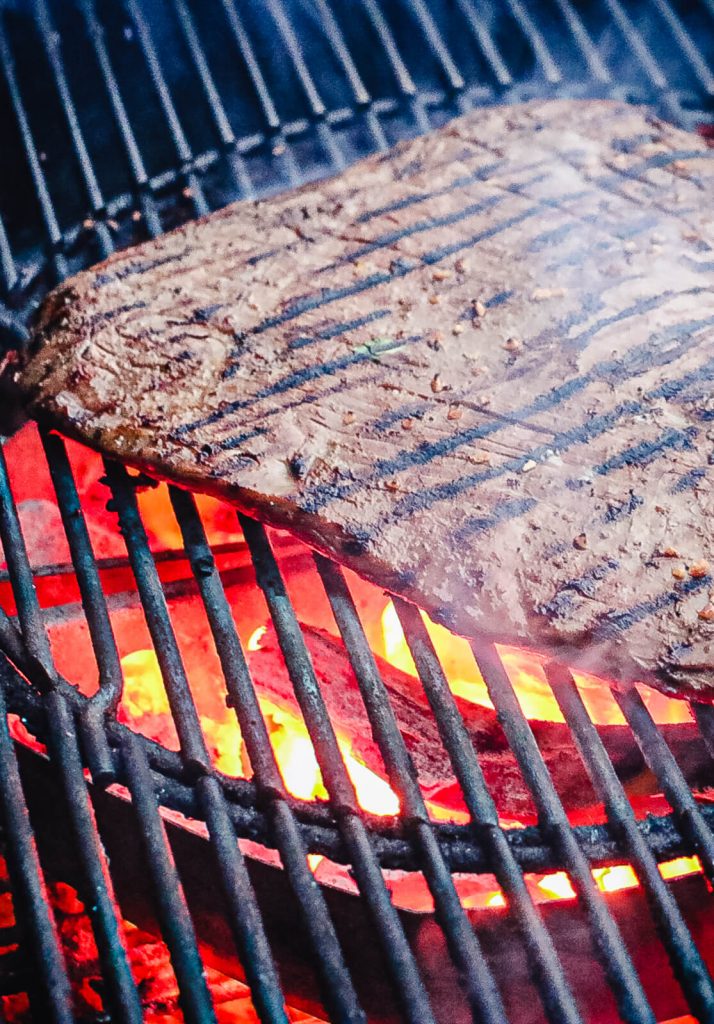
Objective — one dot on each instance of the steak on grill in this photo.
(477, 369)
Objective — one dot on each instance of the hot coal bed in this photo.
(233, 778)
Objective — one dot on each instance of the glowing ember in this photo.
(255, 637)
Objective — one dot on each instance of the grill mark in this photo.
(499, 298)
(616, 512)
(705, 267)
(553, 236)
(230, 443)
(388, 239)
(577, 256)
(138, 267)
(253, 261)
(613, 623)
(481, 174)
(614, 231)
(612, 514)
(294, 380)
(637, 360)
(688, 481)
(640, 454)
(598, 425)
(97, 319)
(561, 605)
(656, 162)
(335, 330)
(328, 295)
(388, 419)
(582, 340)
(501, 513)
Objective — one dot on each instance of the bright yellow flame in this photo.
(254, 640)
(144, 696)
(556, 886)
(300, 770)
(144, 692)
(496, 899)
(294, 753)
(619, 876)
(680, 866)
(374, 794)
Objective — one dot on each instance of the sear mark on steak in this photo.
(478, 371)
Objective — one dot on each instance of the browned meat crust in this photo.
(477, 370)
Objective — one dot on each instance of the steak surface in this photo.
(477, 369)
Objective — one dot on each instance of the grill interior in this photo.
(119, 120)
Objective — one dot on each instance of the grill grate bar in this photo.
(361, 96)
(465, 949)
(47, 210)
(339, 993)
(172, 911)
(704, 714)
(7, 263)
(438, 45)
(32, 624)
(687, 964)
(307, 83)
(178, 691)
(585, 44)
(662, 763)
(634, 37)
(292, 47)
(50, 998)
(686, 44)
(404, 80)
(535, 39)
(609, 945)
(95, 609)
(183, 150)
(121, 118)
(241, 177)
(341, 50)
(547, 968)
(268, 108)
(485, 40)
(98, 896)
(241, 906)
(403, 971)
(252, 64)
(51, 45)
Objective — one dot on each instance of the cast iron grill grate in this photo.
(121, 119)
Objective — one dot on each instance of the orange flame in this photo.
(525, 670)
(146, 706)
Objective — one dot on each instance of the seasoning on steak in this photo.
(478, 370)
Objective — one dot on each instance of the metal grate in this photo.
(119, 120)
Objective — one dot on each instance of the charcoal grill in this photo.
(118, 120)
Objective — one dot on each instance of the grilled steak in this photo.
(477, 369)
